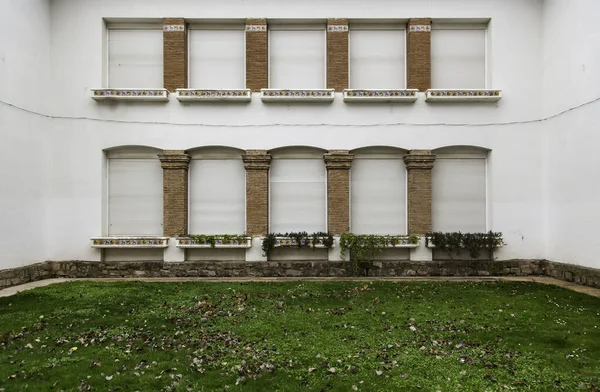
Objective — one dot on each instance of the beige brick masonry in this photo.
(338, 163)
(257, 54)
(418, 165)
(175, 164)
(419, 54)
(175, 54)
(337, 54)
(257, 191)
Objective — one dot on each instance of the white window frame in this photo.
(471, 26)
(216, 26)
(374, 26)
(279, 26)
(108, 26)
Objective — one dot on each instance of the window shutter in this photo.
(297, 59)
(458, 59)
(217, 58)
(297, 195)
(459, 195)
(135, 58)
(135, 199)
(217, 196)
(377, 59)
(378, 196)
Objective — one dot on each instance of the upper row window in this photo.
(297, 56)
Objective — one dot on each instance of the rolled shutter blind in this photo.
(217, 197)
(297, 59)
(135, 58)
(459, 195)
(378, 196)
(297, 195)
(458, 59)
(135, 199)
(217, 58)
(377, 59)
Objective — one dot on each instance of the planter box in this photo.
(130, 242)
(203, 95)
(468, 95)
(430, 245)
(130, 94)
(311, 95)
(189, 243)
(281, 242)
(378, 95)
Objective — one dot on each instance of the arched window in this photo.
(378, 191)
(217, 191)
(297, 190)
(459, 190)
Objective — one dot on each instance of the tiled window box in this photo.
(379, 95)
(189, 243)
(202, 95)
(310, 95)
(130, 242)
(130, 94)
(435, 95)
(283, 242)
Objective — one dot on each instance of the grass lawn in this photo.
(317, 336)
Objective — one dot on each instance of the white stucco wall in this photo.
(24, 146)
(571, 77)
(523, 156)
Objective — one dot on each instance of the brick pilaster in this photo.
(418, 165)
(257, 54)
(175, 164)
(257, 164)
(175, 54)
(338, 164)
(337, 54)
(419, 54)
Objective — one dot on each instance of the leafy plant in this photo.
(364, 247)
(212, 239)
(301, 239)
(453, 242)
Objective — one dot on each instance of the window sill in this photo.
(130, 94)
(468, 95)
(288, 242)
(204, 95)
(380, 95)
(309, 95)
(189, 243)
(130, 242)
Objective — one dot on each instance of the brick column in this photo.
(337, 54)
(338, 164)
(175, 164)
(418, 165)
(175, 54)
(257, 191)
(257, 54)
(419, 54)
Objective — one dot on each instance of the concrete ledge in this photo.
(298, 269)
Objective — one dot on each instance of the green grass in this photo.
(317, 336)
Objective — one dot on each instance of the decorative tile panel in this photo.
(130, 242)
(291, 242)
(438, 95)
(130, 94)
(219, 243)
(314, 95)
(256, 27)
(173, 28)
(378, 95)
(337, 28)
(419, 28)
(201, 95)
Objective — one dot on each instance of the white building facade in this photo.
(160, 119)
